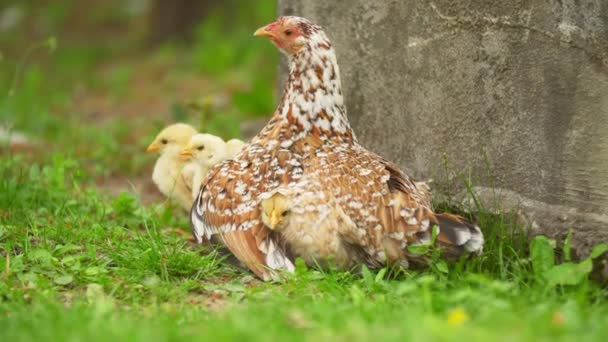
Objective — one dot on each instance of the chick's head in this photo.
(172, 139)
(275, 210)
(206, 149)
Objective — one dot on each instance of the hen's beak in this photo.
(265, 31)
(186, 153)
(274, 220)
(154, 146)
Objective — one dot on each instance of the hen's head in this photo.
(313, 91)
(205, 149)
(172, 139)
(292, 34)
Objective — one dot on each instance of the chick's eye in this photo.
(164, 141)
(200, 148)
(285, 213)
(288, 32)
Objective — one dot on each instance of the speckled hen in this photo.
(309, 152)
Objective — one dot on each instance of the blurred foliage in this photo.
(69, 69)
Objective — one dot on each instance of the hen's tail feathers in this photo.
(458, 236)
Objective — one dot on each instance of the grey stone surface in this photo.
(512, 93)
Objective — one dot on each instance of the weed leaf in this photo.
(63, 279)
(598, 250)
(542, 255)
(568, 273)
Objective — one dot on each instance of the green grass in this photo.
(46, 80)
(81, 265)
(77, 263)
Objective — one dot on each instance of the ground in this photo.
(90, 251)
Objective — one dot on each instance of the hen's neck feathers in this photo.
(312, 102)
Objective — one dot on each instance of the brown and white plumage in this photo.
(168, 174)
(308, 146)
(318, 233)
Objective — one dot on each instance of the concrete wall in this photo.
(522, 85)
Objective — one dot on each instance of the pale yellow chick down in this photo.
(204, 151)
(323, 242)
(168, 174)
(235, 146)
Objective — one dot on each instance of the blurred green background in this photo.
(97, 80)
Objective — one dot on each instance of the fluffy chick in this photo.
(204, 151)
(319, 243)
(235, 146)
(168, 174)
(274, 211)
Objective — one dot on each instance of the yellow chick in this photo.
(274, 210)
(235, 146)
(204, 151)
(168, 171)
(292, 214)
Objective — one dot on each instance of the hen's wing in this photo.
(227, 206)
(383, 202)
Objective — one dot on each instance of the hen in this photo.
(309, 152)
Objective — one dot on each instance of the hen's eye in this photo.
(200, 148)
(288, 32)
(164, 141)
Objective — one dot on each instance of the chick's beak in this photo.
(186, 153)
(153, 147)
(266, 31)
(274, 220)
